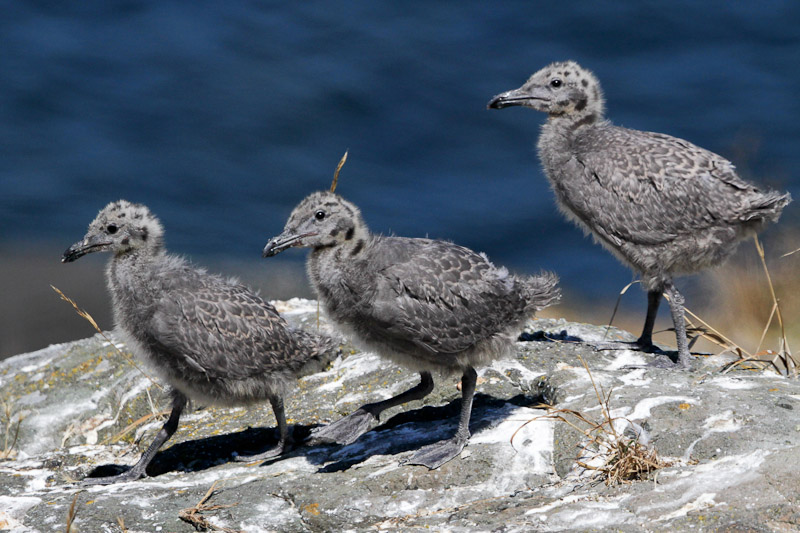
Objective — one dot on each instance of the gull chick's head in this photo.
(322, 220)
(120, 227)
(560, 89)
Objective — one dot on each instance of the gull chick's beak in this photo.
(284, 241)
(89, 244)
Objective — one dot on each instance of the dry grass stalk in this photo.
(787, 254)
(785, 352)
(11, 433)
(73, 511)
(91, 321)
(121, 524)
(193, 515)
(155, 412)
(336, 172)
(133, 425)
(782, 361)
(335, 182)
(616, 305)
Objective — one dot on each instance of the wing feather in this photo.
(649, 188)
(439, 296)
(221, 329)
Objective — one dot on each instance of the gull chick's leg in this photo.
(645, 341)
(285, 442)
(435, 455)
(646, 338)
(138, 470)
(676, 306)
(349, 428)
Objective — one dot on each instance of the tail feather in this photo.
(541, 291)
(767, 207)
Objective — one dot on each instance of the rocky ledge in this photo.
(730, 443)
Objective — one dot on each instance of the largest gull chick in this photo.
(211, 339)
(660, 204)
(428, 305)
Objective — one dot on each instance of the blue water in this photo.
(221, 116)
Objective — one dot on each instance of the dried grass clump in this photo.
(616, 457)
(193, 516)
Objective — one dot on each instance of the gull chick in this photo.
(428, 305)
(210, 339)
(661, 205)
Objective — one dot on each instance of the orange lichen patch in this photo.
(312, 509)
(684, 406)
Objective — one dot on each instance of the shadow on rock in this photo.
(411, 430)
(201, 454)
(406, 431)
(548, 336)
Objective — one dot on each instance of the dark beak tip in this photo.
(68, 256)
(270, 249)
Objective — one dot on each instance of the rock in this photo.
(733, 439)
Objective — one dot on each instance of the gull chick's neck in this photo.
(569, 124)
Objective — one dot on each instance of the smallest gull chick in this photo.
(426, 304)
(211, 339)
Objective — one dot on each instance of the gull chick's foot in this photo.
(129, 475)
(435, 455)
(636, 346)
(272, 453)
(344, 431)
(665, 361)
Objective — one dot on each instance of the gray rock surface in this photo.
(733, 439)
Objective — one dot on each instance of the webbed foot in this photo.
(276, 451)
(435, 455)
(664, 361)
(129, 475)
(345, 430)
(638, 346)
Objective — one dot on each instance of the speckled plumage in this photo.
(428, 305)
(211, 339)
(660, 204)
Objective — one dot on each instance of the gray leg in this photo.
(285, 442)
(349, 428)
(676, 307)
(138, 470)
(435, 455)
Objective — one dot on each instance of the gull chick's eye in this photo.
(112, 228)
(556, 83)
(319, 215)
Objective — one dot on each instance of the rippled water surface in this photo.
(221, 116)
